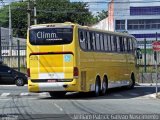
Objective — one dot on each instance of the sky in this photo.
(94, 5)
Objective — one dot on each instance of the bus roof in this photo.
(70, 24)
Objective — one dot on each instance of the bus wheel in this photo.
(131, 82)
(57, 94)
(104, 86)
(97, 88)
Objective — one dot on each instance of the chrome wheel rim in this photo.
(104, 88)
(19, 81)
(97, 88)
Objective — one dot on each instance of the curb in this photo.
(147, 84)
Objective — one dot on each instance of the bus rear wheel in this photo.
(97, 88)
(104, 86)
(57, 94)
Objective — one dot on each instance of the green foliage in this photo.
(48, 11)
(101, 15)
(19, 18)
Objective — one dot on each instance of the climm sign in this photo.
(156, 45)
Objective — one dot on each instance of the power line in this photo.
(99, 1)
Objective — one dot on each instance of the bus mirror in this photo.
(139, 53)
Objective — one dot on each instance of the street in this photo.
(17, 101)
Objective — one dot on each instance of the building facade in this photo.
(139, 18)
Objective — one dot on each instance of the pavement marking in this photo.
(24, 94)
(4, 99)
(117, 95)
(61, 109)
(43, 94)
(5, 94)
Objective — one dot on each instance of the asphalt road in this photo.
(19, 104)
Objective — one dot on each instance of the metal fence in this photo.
(14, 56)
(146, 65)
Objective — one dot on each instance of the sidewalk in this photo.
(150, 85)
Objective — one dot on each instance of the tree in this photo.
(101, 15)
(19, 18)
(48, 11)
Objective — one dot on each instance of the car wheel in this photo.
(19, 82)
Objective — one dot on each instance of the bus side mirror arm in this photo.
(138, 53)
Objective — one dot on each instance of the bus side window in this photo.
(109, 43)
(115, 43)
(105, 42)
(128, 45)
(125, 44)
(97, 42)
(121, 44)
(112, 44)
(133, 44)
(94, 41)
(91, 40)
(82, 40)
(118, 45)
(88, 41)
(101, 42)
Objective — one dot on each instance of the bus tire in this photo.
(57, 94)
(131, 82)
(97, 87)
(104, 86)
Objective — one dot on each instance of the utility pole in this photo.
(10, 33)
(1, 37)
(29, 14)
(35, 13)
(156, 69)
(145, 56)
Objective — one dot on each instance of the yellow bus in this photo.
(67, 57)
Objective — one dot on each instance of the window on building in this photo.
(145, 24)
(120, 24)
(148, 10)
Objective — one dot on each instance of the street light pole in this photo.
(10, 34)
(35, 13)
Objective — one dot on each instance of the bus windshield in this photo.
(51, 36)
